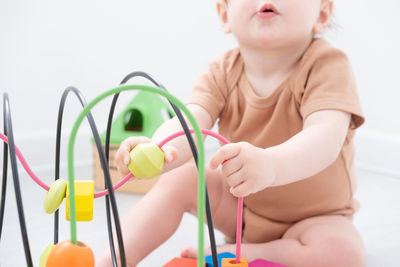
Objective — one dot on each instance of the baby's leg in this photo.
(158, 214)
(317, 241)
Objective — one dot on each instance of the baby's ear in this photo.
(324, 18)
(222, 10)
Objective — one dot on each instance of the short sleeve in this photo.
(212, 88)
(331, 85)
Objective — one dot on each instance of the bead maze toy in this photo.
(140, 117)
(146, 162)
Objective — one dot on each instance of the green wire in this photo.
(201, 173)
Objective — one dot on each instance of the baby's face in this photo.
(273, 23)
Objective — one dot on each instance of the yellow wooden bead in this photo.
(147, 160)
(84, 194)
(55, 196)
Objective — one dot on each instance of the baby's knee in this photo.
(179, 184)
(179, 178)
(354, 255)
(104, 261)
(343, 252)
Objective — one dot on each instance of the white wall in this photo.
(368, 31)
(46, 46)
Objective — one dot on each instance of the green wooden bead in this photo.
(55, 196)
(147, 160)
(45, 254)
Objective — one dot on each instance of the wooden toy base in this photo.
(137, 186)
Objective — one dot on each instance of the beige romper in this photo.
(322, 79)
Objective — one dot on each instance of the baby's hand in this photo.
(122, 156)
(248, 169)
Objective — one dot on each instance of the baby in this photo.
(288, 103)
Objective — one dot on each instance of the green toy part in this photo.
(55, 196)
(141, 117)
(201, 185)
(147, 160)
(45, 255)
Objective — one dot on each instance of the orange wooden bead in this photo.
(67, 254)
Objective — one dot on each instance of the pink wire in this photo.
(25, 165)
(239, 228)
(129, 176)
(115, 187)
(44, 185)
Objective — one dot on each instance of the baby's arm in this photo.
(204, 121)
(173, 148)
(250, 169)
(313, 149)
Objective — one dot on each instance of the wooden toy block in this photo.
(182, 262)
(209, 259)
(231, 262)
(264, 263)
(84, 194)
(147, 160)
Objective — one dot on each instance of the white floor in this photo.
(378, 220)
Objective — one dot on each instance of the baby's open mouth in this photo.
(267, 10)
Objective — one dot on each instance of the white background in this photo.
(46, 46)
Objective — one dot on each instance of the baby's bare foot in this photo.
(189, 253)
(192, 252)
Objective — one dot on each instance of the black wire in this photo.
(103, 162)
(58, 146)
(4, 181)
(14, 169)
(192, 147)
